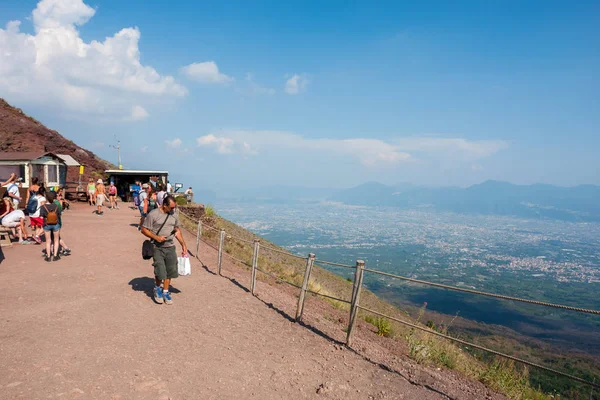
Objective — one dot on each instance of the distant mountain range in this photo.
(578, 203)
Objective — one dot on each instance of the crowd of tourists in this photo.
(40, 222)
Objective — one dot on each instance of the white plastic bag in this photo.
(184, 267)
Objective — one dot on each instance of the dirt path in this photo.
(86, 327)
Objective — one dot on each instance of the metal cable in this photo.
(334, 264)
(498, 296)
(327, 296)
(242, 240)
(278, 278)
(282, 252)
(532, 364)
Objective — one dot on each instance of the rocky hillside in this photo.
(20, 132)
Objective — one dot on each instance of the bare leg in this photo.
(56, 242)
(24, 230)
(48, 241)
(167, 284)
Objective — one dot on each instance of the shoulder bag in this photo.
(148, 245)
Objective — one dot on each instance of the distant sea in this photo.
(547, 260)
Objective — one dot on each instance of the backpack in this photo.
(51, 216)
(32, 206)
(136, 198)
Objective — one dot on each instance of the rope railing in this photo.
(498, 296)
(278, 278)
(327, 296)
(334, 264)
(274, 250)
(357, 285)
(476, 346)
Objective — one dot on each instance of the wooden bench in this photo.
(5, 236)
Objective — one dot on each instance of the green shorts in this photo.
(165, 262)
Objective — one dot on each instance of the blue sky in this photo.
(316, 93)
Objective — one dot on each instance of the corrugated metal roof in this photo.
(70, 161)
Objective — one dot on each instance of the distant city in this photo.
(548, 260)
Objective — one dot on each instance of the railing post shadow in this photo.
(310, 261)
(356, 288)
(254, 263)
(220, 259)
(198, 234)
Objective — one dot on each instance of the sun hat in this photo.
(145, 186)
(99, 180)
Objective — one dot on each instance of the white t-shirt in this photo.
(169, 188)
(41, 200)
(160, 197)
(14, 190)
(12, 219)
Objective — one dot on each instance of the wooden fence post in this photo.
(221, 242)
(255, 263)
(310, 260)
(356, 288)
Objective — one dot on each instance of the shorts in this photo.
(52, 228)
(36, 221)
(165, 262)
(100, 200)
(10, 224)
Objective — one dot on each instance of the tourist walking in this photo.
(51, 214)
(162, 226)
(91, 188)
(143, 207)
(100, 196)
(112, 195)
(35, 219)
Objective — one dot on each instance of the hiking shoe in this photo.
(66, 252)
(158, 294)
(167, 297)
(48, 258)
(24, 241)
(56, 257)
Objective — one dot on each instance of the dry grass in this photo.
(500, 375)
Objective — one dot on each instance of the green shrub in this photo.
(209, 211)
(180, 200)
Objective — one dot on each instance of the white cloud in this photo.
(369, 152)
(223, 145)
(452, 147)
(104, 78)
(257, 89)
(206, 72)
(139, 113)
(296, 84)
(173, 144)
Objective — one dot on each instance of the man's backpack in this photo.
(51, 216)
(32, 206)
(136, 198)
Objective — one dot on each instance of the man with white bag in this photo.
(162, 226)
